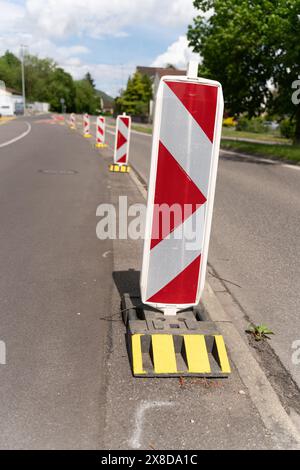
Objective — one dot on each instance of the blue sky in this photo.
(109, 38)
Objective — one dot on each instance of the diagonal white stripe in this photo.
(123, 129)
(163, 267)
(185, 140)
(121, 152)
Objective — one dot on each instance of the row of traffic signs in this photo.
(122, 141)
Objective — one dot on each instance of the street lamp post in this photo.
(63, 107)
(23, 77)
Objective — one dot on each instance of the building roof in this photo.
(13, 91)
(151, 72)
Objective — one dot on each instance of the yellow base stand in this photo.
(101, 146)
(178, 355)
(87, 136)
(180, 345)
(119, 168)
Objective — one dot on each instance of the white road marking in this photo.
(24, 134)
(105, 255)
(139, 420)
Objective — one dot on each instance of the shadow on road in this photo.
(128, 282)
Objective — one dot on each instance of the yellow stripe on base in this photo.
(196, 354)
(164, 354)
(137, 358)
(222, 353)
(119, 168)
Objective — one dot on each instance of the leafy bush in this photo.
(288, 128)
(251, 125)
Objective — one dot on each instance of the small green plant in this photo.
(260, 332)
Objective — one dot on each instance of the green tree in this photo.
(47, 82)
(10, 71)
(88, 77)
(60, 85)
(37, 75)
(249, 45)
(86, 99)
(135, 99)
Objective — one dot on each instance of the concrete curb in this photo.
(261, 392)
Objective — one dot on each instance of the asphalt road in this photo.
(255, 242)
(55, 285)
(67, 381)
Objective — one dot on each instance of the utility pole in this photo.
(23, 77)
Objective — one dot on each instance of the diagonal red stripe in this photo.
(100, 130)
(200, 101)
(121, 140)
(173, 186)
(122, 159)
(125, 120)
(182, 289)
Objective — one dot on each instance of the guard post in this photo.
(100, 132)
(122, 143)
(171, 335)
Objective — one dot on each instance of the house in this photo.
(155, 74)
(11, 102)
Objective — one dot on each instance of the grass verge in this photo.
(276, 152)
(146, 130)
(268, 137)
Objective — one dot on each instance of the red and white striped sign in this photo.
(185, 153)
(73, 121)
(122, 140)
(86, 125)
(100, 135)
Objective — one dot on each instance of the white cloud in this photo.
(11, 13)
(98, 18)
(43, 24)
(178, 54)
(110, 78)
